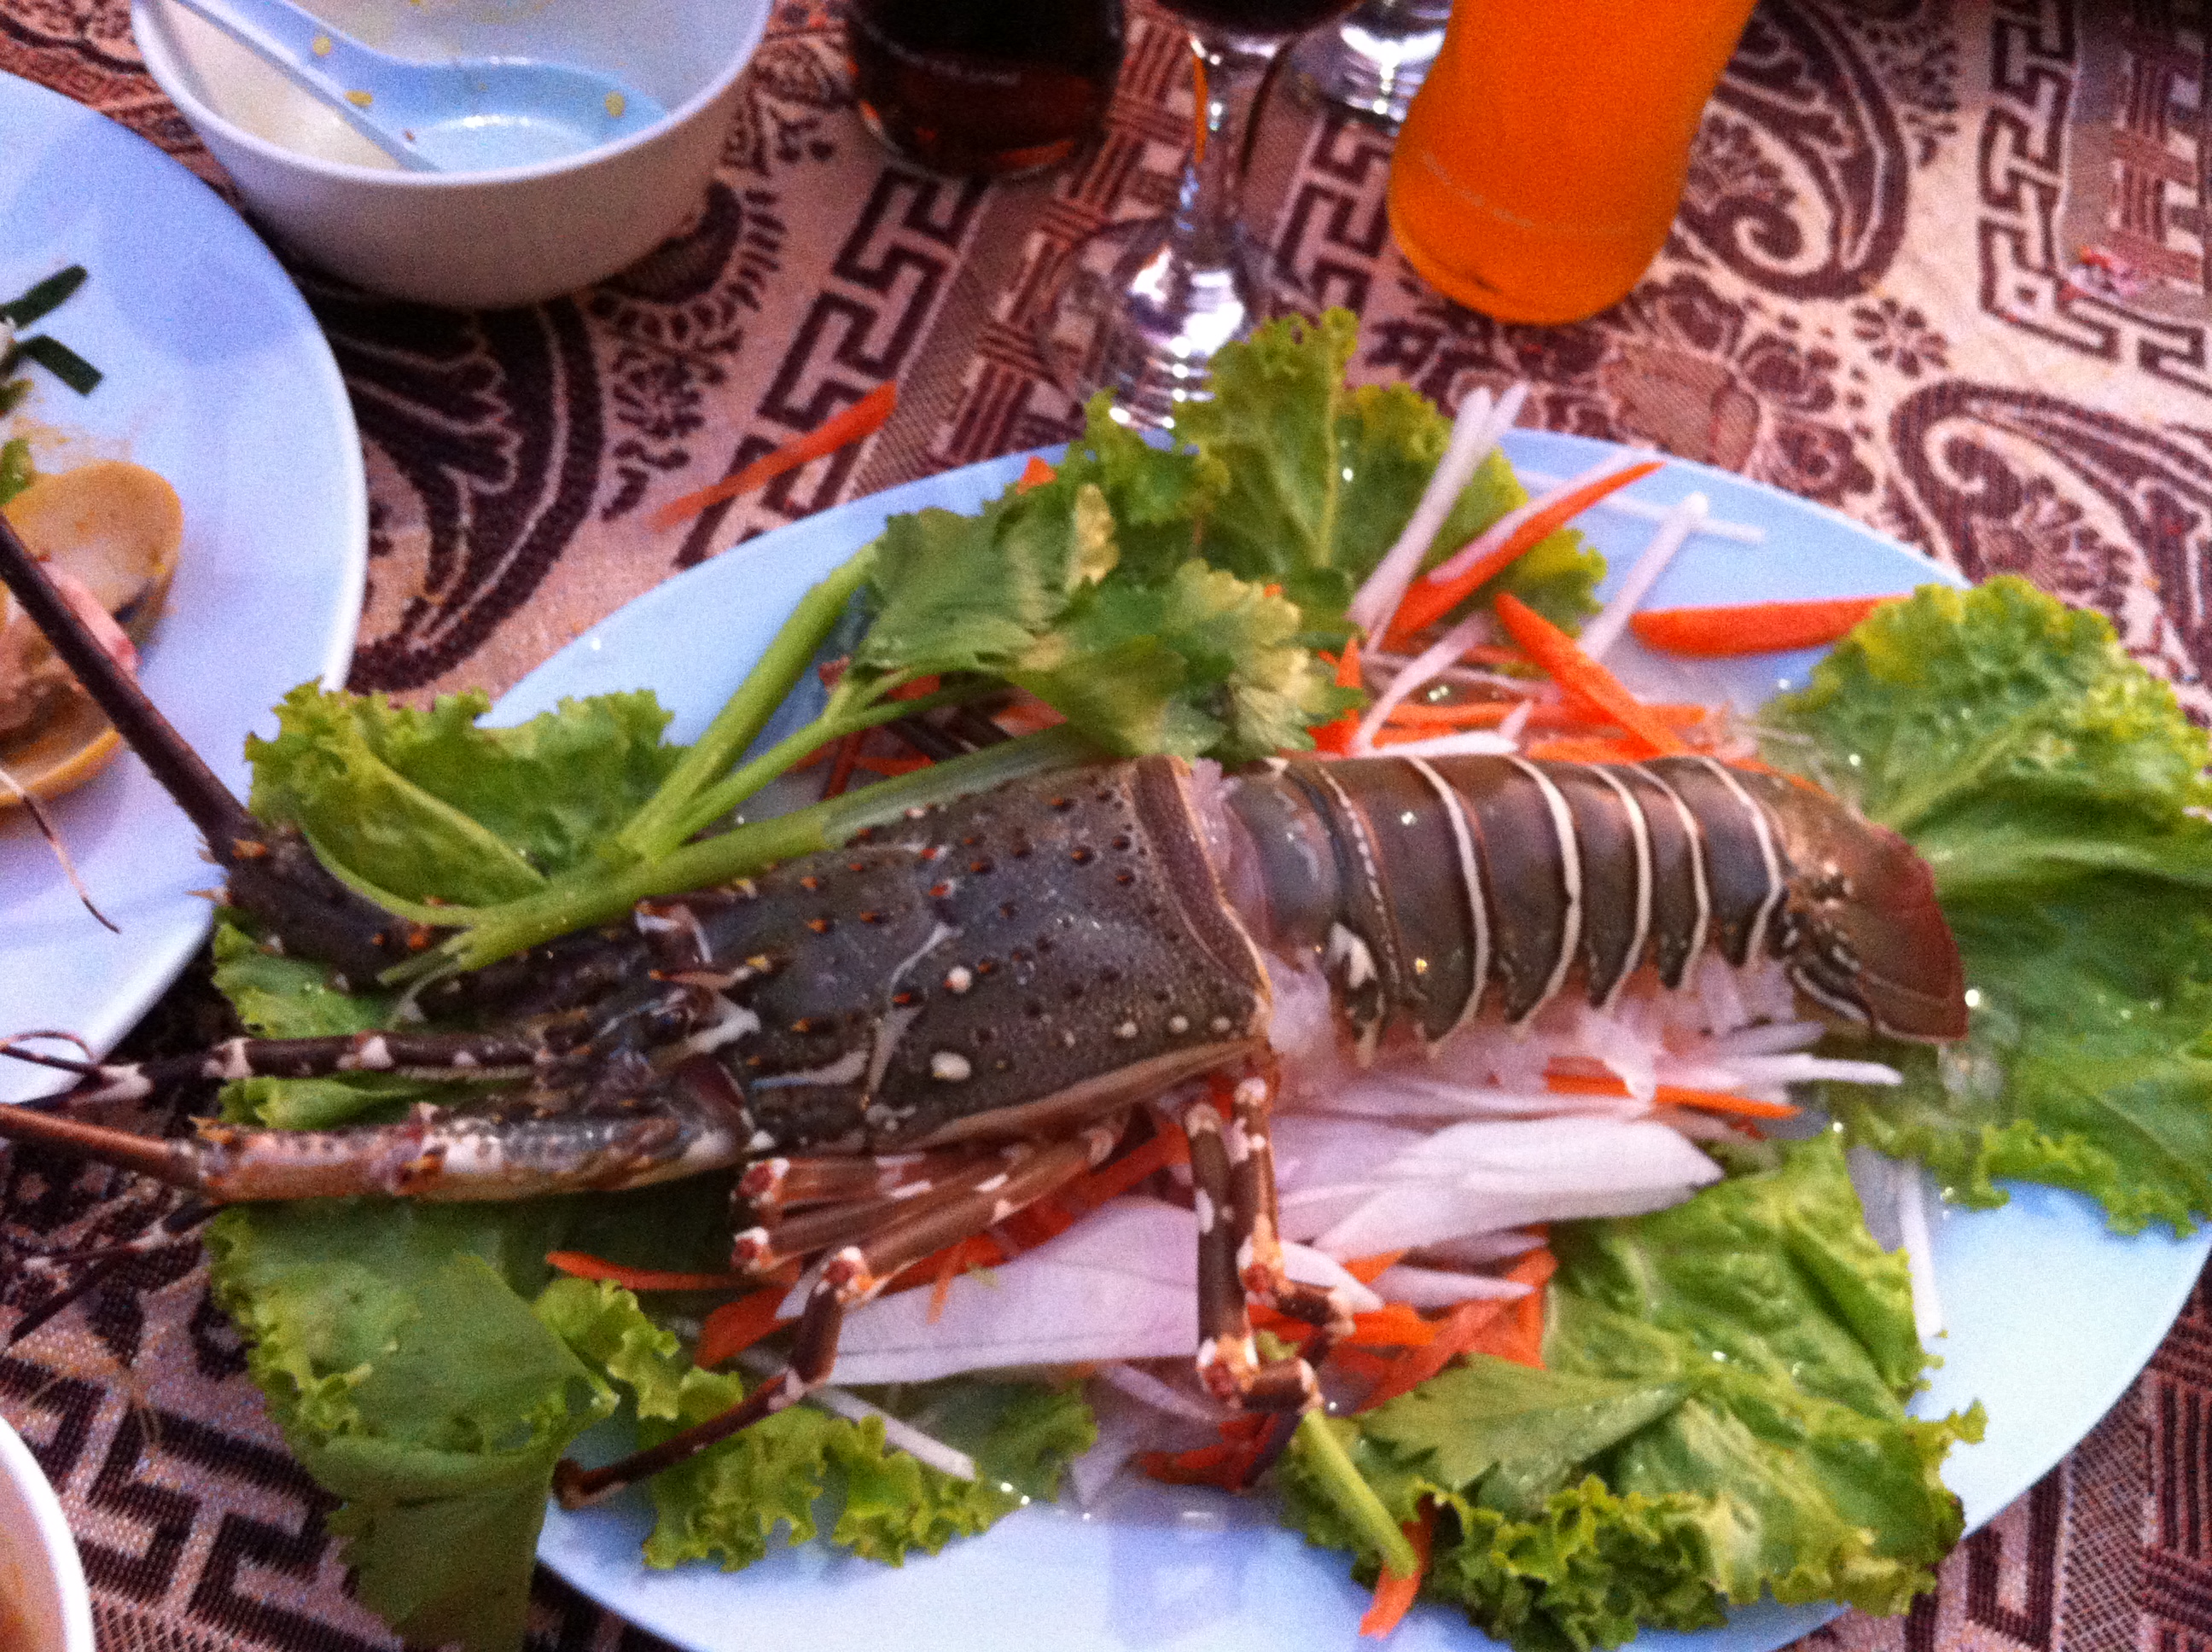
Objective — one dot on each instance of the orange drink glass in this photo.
(1540, 165)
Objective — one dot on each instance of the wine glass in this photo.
(1373, 62)
(1145, 304)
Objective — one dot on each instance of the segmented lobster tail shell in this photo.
(1431, 890)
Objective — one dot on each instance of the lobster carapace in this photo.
(908, 1039)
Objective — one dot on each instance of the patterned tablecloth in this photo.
(1943, 264)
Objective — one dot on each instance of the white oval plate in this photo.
(218, 378)
(2050, 1316)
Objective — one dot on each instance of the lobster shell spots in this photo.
(1046, 951)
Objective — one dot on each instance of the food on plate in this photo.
(108, 533)
(1602, 1354)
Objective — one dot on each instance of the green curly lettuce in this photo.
(729, 1503)
(2057, 792)
(1722, 1414)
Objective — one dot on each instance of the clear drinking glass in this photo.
(1145, 304)
(1373, 62)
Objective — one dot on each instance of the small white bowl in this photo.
(42, 1592)
(475, 240)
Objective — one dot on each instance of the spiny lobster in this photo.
(905, 1040)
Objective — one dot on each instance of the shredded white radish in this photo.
(1469, 743)
(1508, 525)
(1384, 668)
(923, 1447)
(1475, 433)
(1474, 628)
(1675, 530)
(1741, 533)
(1919, 1252)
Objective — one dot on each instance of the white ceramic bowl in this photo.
(41, 1583)
(475, 240)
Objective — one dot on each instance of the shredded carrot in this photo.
(581, 1265)
(1583, 678)
(1394, 1595)
(1428, 600)
(1336, 738)
(841, 771)
(1585, 750)
(1087, 1192)
(1394, 1324)
(889, 765)
(948, 1269)
(979, 1250)
(863, 418)
(1368, 1269)
(1705, 1101)
(1458, 1332)
(1224, 1464)
(1524, 1341)
(1361, 1362)
(1035, 474)
(1751, 627)
(736, 1326)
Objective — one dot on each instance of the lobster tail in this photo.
(1420, 886)
(1862, 931)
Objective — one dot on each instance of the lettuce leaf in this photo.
(410, 1379)
(1722, 1414)
(728, 1503)
(428, 804)
(2057, 791)
(1308, 479)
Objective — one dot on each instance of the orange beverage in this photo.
(1540, 166)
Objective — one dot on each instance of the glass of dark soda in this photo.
(985, 87)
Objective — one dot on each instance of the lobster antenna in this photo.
(272, 872)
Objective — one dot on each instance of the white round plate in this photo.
(217, 377)
(2051, 1314)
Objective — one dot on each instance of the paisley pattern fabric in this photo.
(1941, 265)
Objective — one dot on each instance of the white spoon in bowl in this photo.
(472, 114)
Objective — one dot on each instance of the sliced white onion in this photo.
(1437, 1287)
(1483, 1249)
(1146, 1390)
(1120, 1284)
(1470, 1178)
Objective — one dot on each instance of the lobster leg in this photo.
(1252, 1190)
(852, 1275)
(763, 1247)
(1228, 1361)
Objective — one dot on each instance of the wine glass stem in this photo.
(1229, 71)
